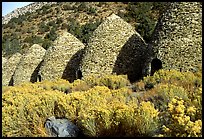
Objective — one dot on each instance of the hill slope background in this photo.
(78, 18)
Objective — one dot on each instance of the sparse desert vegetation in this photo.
(108, 106)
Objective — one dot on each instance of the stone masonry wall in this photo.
(27, 69)
(115, 47)
(177, 40)
(62, 59)
(9, 68)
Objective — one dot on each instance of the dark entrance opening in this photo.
(11, 81)
(39, 78)
(71, 71)
(156, 64)
(79, 74)
(35, 76)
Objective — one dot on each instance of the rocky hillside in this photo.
(40, 22)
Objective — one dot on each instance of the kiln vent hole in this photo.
(39, 78)
(156, 64)
(79, 74)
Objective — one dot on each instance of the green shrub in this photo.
(81, 7)
(14, 20)
(46, 44)
(66, 7)
(11, 25)
(144, 14)
(162, 94)
(74, 28)
(29, 30)
(10, 47)
(45, 9)
(43, 28)
(101, 4)
(5, 26)
(160, 7)
(28, 39)
(21, 18)
(5, 37)
(187, 80)
(18, 30)
(33, 39)
(52, 35)
(51, 23)
(79, 85)
(37, 40)
(64, 26)
(27, 14)
(110, 81)
(87, 30)
(82, 32)
(57, 9)
(91, 10)
(59, 20)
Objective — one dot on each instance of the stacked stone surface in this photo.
(177, 40)
(4, 60)
(9, 68)
(27, 69)
(115, 47)
(62, 59)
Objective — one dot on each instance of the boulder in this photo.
(62, 59)
(61, 127)
(28, 67)
(115, 47)
(9, 68)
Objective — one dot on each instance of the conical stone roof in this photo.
(9, 68)
(62, 59)
(28, 67)
(177, 40)
(115, 47)
(4, 60)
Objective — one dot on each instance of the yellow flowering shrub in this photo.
(112, 114)
(98, 111)
(58, 84)
(163, 93)
(111, 81)
(141, 120)
(168, 84)
(187, 80)
(79, 85)
(24, 110)
(138, 86)
(63, 85)
(182, 122)
(107, 105)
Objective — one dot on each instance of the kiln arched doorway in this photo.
(156, 64)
